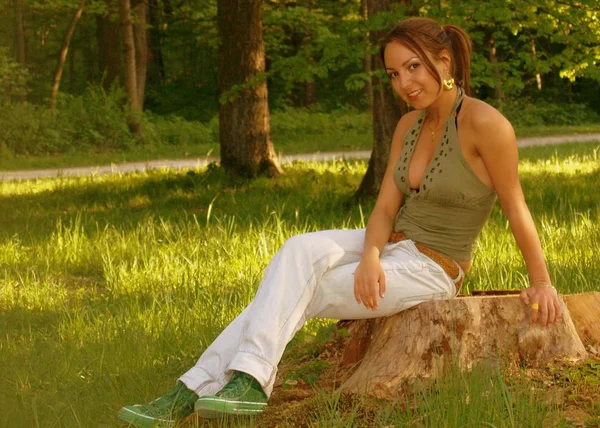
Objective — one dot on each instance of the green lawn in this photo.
(111, 286)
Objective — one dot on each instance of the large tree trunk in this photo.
(133, 108)
(387, 111)
(63, 56)
(21, 48)
(108, 38)
(156, 67)
(427, 339)
(244, 122)
(140, 36)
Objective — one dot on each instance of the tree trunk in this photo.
(386, 114)
(21, 51)
(310, 93)
(133, 108)
(498, 91)
(427, 339)
(244, 122)
(63, 56)
(72, 76)
(140, 36)
(108, 37)
(538, 76)
(156, 67)
(368, 89)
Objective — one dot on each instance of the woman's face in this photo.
(409, 77)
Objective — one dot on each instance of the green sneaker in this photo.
(242, 395)
(164, 411)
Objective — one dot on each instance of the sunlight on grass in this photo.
(111, 286)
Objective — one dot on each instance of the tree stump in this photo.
(426, 339)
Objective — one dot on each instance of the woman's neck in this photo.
(441, 108)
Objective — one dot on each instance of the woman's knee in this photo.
(301, 242)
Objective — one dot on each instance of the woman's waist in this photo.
(438, 256)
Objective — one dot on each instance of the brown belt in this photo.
(446, 263)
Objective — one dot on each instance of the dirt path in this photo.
(200, 162)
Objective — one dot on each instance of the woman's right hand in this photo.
(368, 277)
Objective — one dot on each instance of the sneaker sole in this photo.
(211, 408)
(128, 414)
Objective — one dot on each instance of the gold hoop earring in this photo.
(448, 83)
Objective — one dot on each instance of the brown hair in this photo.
(424, 35)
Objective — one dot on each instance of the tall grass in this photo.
(111, 286)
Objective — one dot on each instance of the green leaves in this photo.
(14, 78)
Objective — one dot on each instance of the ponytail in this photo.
(461, 48)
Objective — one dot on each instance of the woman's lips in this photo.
(412, 95)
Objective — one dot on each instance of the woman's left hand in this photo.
(543, 302)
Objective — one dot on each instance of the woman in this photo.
(450, 158)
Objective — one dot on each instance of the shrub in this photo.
(13, 77)
(176, 131)
(525, 112)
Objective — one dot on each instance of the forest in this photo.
(66, 67)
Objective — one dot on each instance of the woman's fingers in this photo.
(382, 285)
(557, 308)
(544, 305)
(543, 313)
(365, 291)
(534, 312)
(356, 290)
(551, 312)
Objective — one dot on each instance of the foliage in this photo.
(314, 53)
(14, 79)
(523, 113)
(92, 122)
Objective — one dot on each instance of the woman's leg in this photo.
(312, 276)
(254, 341)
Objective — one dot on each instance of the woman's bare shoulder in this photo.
(404, 124)
(479, 116)
(407, 120)
(486, 126)
(482, 116)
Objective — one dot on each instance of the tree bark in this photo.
(156, 67)
(368, 89)
(140, 36)
(133, 108)
(498, 91)
(108, 38)
(244, 122)
(538, 76)
(310, 93)
(427, 339)
(386, 114)
(63, 56)
(21, 51)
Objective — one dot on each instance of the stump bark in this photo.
(427, 339)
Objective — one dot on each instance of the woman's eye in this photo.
(393, 74)
(413, 66)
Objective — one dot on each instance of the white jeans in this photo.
(312, 276)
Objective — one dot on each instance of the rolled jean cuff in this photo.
(197, 379)
(255, 366)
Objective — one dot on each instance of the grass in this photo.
(294, 131)
(111, 286)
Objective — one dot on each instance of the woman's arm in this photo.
(369, 273)
(497, 146)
